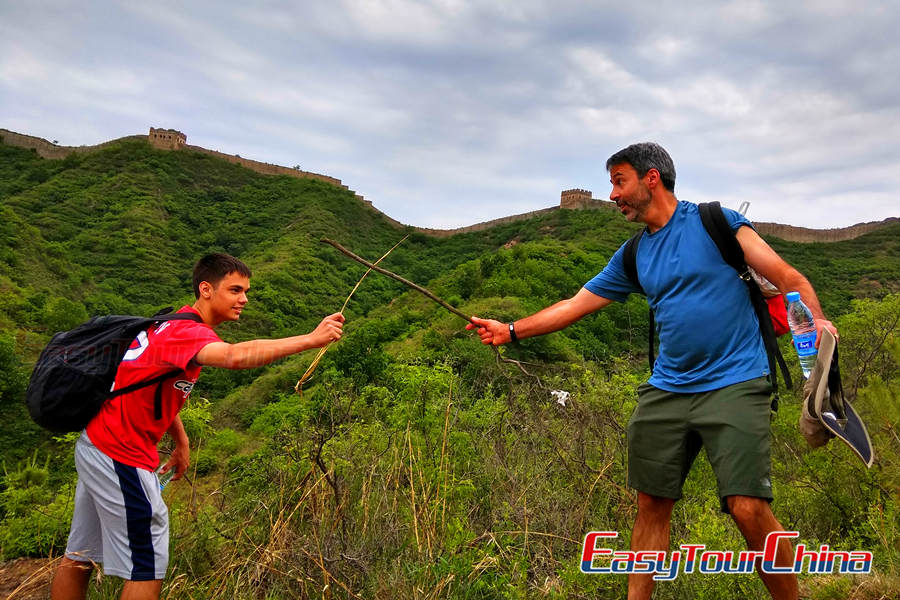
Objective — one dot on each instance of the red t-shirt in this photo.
(126, 429)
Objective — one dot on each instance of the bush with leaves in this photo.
(34, 518)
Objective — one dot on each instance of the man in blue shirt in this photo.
(709, 386)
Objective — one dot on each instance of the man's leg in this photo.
(736, 433)
(661, 449)
(71, 580)
(755, 520)
(141, 590)
(651, 532)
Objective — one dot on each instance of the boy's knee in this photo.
(71, 579)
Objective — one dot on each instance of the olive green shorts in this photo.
(668, 429)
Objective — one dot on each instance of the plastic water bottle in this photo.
(164, 478)
(803, 330)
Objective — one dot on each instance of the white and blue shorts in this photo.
(120, 519)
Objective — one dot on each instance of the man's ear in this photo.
(206, 289)
(651, 178)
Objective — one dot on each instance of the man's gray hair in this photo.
(643, 157)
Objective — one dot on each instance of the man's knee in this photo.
(747, 509)
(654, 506)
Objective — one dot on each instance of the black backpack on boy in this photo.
(74, 374)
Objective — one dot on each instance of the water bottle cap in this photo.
(792, 296)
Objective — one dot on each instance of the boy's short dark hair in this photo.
(214, 267)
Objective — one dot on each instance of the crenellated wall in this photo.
(574, 199)
(578, 199)
(804, 235)
(485, 224)
(267, 168)
(47, 149)
(163, 139)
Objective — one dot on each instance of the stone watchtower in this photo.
(575, 199)
(166, 139)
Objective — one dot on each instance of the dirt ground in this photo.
(26, 579)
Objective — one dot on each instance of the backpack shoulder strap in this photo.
(719, 230)
(166, 314)
(629, 258)
(629, 263)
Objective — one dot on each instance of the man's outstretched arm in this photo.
(257, 353)
(553, 318)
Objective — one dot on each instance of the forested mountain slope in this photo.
(413, 460)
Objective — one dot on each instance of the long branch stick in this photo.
(427, 293)
(414, 286)
(315, 363)
(366, 274)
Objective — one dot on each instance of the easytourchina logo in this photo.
(695, 558)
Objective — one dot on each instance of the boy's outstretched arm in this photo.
(256, 353)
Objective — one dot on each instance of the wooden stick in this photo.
(315, 363)
(422, 290)
(418, 288)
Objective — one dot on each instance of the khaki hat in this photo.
(825, 412)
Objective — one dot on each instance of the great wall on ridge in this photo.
(573, 199)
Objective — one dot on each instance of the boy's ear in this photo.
(206, 289)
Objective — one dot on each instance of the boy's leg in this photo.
(132, 514)
(71, 580)
(73, 576)
(754, 518)
(141, 590)
(84, 547)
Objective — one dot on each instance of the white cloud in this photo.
(447, 113)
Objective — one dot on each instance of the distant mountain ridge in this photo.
(387, 464)
(115, 229)
(51, 150)
(789, 233)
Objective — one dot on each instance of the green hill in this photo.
(413, 452)
(117, 230)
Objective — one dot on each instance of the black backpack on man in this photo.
(719, 230)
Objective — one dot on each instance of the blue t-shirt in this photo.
(708, 333)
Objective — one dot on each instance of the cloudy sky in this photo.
(445, 113)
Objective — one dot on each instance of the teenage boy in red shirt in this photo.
(120, 519)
